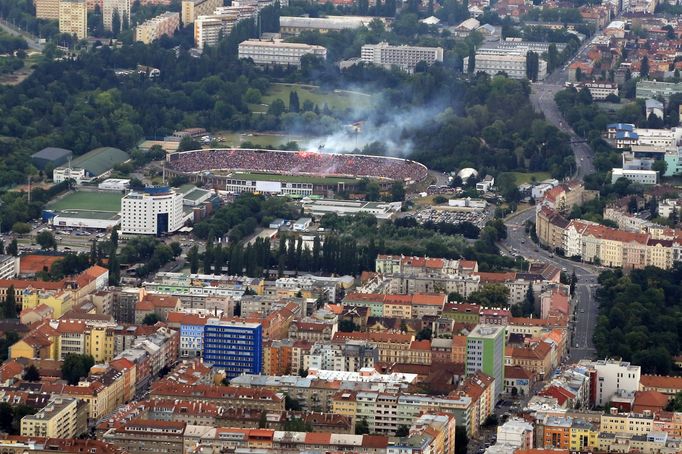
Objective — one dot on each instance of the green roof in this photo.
(196, 194)
(186, 188)
(100, 160)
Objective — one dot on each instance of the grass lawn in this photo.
(522, 177)
(336, 99)
(234, 139)
(92, 201)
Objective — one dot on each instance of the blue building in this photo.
(236, 347)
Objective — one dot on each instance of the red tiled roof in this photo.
(650, 400)
(429, 299)
(72, 326)
(375, 441)
(90, 275)
(11, 369)
(661, 381)
(496, 277)
(420, 345)
(374, 337)
(516, 372)
(150, 302)
(311, 326)
(183, 318)
(121, 364)
(38, 285)
(318, 438)
(522, 321)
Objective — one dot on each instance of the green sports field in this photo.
(335, 99)
(235, 139)
(89, 201)
(522, 177)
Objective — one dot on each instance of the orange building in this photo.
(557, 432)
(277, 357)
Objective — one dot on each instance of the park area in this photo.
(89, 201)
(235, 139)
(530, 177)
(335, 99)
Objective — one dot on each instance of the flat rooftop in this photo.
(101, 215)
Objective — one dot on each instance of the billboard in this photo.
(271, 187)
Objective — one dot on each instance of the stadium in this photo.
(290, 172)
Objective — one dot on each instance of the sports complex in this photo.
(85, 209)
(290, 172)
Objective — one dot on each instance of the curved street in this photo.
(518, 242)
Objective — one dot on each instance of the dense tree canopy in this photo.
(640, 316)
(76, 367)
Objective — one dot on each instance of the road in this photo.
(542, 98)
(583, 305)
(31, 40)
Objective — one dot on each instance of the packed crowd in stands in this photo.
(298, 162)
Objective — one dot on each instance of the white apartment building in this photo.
(350, 357)
(162, 25)
(277, 52)
(9, 266)
(191, 9)
(73, 18)
(208, 29)
(154, 211)
(600, 90)
(613, 376)
(404, 57)
(61, 174)
(516, 433)
(627, 136)
(509, 61)
(108, 8)
(647, 177)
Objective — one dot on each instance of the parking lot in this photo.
(478, 218)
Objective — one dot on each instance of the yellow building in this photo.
(163, 25)
(129, 371)
(60, 418)
(41, 343)
(60, 301)
(82, 338)
(92, 394)
(398, 308)
(627, 423)
(659, 253)
(611, 253)
(344, 403)
(56, 339)
(582, 436)
(47, 9)
(113, 391)
(99, 342)
(73, 18)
